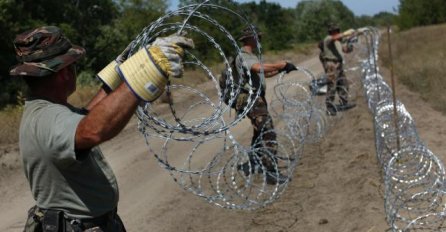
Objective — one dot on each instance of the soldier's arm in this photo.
(269, 69)
(100, 95)
(106, 118)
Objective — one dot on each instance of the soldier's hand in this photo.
(108, 75)
(147, 71)
(125, 53)
(362, 30)
(348, 33)
(288, 68)
(167, 53)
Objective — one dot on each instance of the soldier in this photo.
(263, 134)
(332, 58)
(71, 182)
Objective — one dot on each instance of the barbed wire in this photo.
(413, 175)
(196, 138)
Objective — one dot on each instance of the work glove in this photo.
(109, 76)
(288, 68)
(362, 30)
(147, 71)
(348, 33)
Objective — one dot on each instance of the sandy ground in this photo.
(337, 185)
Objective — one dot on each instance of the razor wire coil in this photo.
(413, 175)
(181, 139)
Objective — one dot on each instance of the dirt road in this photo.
(336, 187)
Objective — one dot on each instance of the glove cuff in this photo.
(143, 76)
(109, 76)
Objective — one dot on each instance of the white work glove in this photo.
(172, 48)
(348, 33)
(362, 30)
(108, 75)
(147, 71)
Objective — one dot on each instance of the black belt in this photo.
(51, 217)
(87, 223)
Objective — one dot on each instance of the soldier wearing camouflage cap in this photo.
(264, 136)
(71, 181)
(332, 58)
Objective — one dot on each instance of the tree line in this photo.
(105, 27)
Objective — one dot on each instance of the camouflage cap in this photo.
(249, 31)
(43, 51)
(332, 27)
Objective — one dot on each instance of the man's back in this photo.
(82, 185)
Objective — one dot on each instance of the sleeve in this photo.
(248, 60)
(56, 127)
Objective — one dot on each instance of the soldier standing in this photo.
(332, 58)
(73, 185)
(264, 137)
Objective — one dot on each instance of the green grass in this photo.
(419, 57)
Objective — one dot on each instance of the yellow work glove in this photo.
(109, 76)
(348, 33)
(147, 71)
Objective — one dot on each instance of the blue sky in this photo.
(359, 7)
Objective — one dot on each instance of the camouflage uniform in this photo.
(263, 128)
(42, 52)
(332, 59)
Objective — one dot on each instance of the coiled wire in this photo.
(413, 175)
(196, 136)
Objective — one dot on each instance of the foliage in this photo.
(414, 13)
(106, 27)
(313, 18)
(274, 21)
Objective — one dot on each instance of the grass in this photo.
(10, 117)
(83, 94)
(419, 57)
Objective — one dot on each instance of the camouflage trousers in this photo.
(337, 83)
(263, 142)
(55, 221)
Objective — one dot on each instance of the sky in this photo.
(359, 7)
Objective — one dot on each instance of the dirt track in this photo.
(336, 187)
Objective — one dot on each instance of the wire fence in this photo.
(413, 175)
(197, 139)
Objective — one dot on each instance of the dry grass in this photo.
(11, 115)
(296, 54)
(10, 118)
(83, 95)
(420, 62)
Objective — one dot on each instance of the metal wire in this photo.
(204, 152)
(414, 177)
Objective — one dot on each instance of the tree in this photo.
(313, 17)
(414, 13)
(134, 16)
(81, 21)
(275, 21)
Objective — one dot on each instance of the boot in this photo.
(345, 106)
(249, 169)
(273, 177)
(331, 111)
(272, 174)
